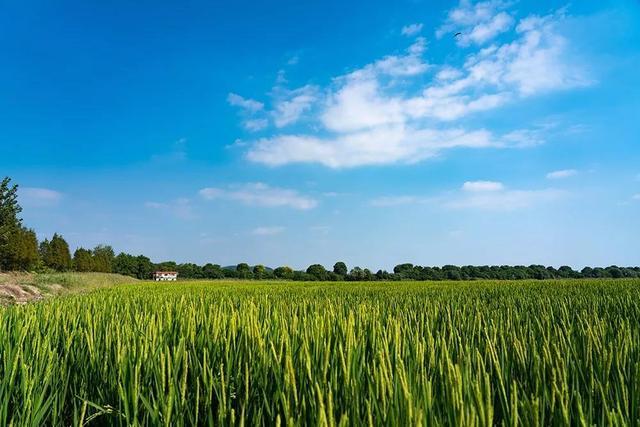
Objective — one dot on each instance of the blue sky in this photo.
(301, 132)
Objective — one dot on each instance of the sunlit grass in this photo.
(459, 353)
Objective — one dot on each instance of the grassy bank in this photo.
(20, 288)
(227, 353)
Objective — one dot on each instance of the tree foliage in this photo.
(83, 260)
(55, 253)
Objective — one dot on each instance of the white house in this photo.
(161, 276)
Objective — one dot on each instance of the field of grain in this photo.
(233, 353)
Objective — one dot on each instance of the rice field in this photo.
(330, 354)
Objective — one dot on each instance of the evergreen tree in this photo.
(10, 223)
(82, 260)
(55, 253)
(103, 259)
(20, 251)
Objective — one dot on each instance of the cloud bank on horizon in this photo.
(400, 108)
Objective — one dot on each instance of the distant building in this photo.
(162, 276)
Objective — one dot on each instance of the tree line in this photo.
(21, 251)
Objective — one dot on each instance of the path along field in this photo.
(474, 353)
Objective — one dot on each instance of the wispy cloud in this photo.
(260, 194)
(267, 231)
(383, 145)
(481, 186)
(39, 197)
(251, 110)
(255, 124)
(291, 104)
(478, 195)
(411, 30)
(636, 196)
(561, 174)
(177, 153)
(478, 23)
(250, 105)
(180, 208)
(383, 113)
(504, 200)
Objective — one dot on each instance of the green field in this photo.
(233, 353)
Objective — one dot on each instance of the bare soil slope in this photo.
(21, 288)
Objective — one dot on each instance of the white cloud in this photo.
(359, 105)
(291, 104)
(504, 200)
(560, 174)
(259, 194)
(636, 196)
(250, 105)
(255, 125)
(389, 112)
(409, 64)
(411, 30)
(481, 195)
(379, 145)
(522, 138)
(448, 73)
(39, 197)
(477, 23)
(267, 231)
(486, 31)
(482, 186)
(180, 208)
(250, 109)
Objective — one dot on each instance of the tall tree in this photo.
(55, 253)
(145, 267)
(258, 271)
(10, 223)
(212, 271)
(103, 259)
(167, 266)
(243, 271)
(283, 272)
(82, 260)
(20, 251)
(340, 268)
(125, 264)
(317, 271)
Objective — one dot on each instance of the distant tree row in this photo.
(340, 272)
(20, 251)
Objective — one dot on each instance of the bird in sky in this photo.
(457, 34)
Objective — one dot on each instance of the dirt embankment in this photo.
(21, 288)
